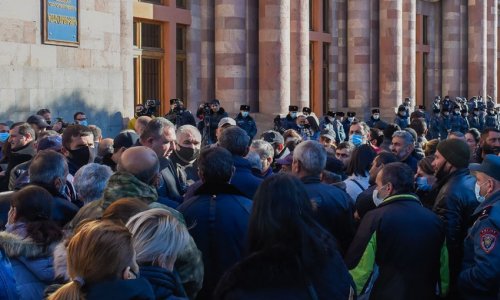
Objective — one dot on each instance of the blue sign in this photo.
(61, 21)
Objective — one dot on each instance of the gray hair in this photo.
(254, 159)
(189, 129)
(311, 155)
(235, 140)
(157, 236)
(47, 166)
(155, 128)
(90, 181)
(262, 148)
(405, 135)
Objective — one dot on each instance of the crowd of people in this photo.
(312, 209)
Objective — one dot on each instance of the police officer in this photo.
(446, 103)
(246, 122)
(472, 103)
(434, 124)
(436, 104)
(490, 121)
(456, 120)
(306, 111)
(375, 121)
(330, 122)
(401, 119)
(480, 274)
(465, 118)
(444, 123)
(288, 122)
(474, 119)
(178, 115)
(347, 122)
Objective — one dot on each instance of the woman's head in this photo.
(472, 137)
(122, 210)
(158, 237)
(361, 160)
(424, 177)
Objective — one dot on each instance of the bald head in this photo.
(141, 162)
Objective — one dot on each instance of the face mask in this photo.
(376, 198)
(84, 123)
(4, 136)
(477, 190)
(476, 113)
(80, 157)
(331, 119)
(422, 184)
(356, 139)
(293, 114)
(446, 114)
(188, 154)
(244, 114)
(350, 119)
(307, 126)
(376, 117)
(457, 112)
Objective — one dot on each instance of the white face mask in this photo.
(376, 116)
(477, 190)
(376, 198)
(350, 119)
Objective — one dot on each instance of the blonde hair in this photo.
(158, 236)
(96, 244)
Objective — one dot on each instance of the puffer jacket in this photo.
(8, 289)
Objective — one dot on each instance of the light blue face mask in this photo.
(244, 114)
(4, 136)
(293, 114)
(84, 123)
(356, 139)
(422, 184)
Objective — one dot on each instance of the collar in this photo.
(491, 200)
(400, 197)
(218, 188)
(310, 179)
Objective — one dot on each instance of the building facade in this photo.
(326, 54)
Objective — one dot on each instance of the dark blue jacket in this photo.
(444, 126)
(243, 178)
(434, 127)
(376, 123)
(133, 289)
(474, 122)
(335, 210)
(165, 284)
(247, 124)
(218, 217)
(480, 275)
(8, 289)
(336, 126)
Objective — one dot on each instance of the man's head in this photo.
(394, 178)
(343, 152)
(78, 144)
(402, 144)
(420, 126)
(97, 132)
(487, 176)
(376, 137)
(90, 181)
(46, 114)
(490, 141)
(188, 143)
(215, 165)
(122, 142)
(235, 140)
(105, 147)
(358, 132)
(382, 159)
(215, 105)
(80, 118)
(141, 123)
(327, 138)
(4, 133)
(20, 135)
(159, 135)
(265, 152)
(275, 139)
(38, 123)
(450, 155)
(301, 121)
(49, 168)
(142, 162)
(309, 158)
(456, 135)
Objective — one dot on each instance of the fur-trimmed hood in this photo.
(16, 246)
(60, 262)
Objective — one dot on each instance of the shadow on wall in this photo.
(64, 107)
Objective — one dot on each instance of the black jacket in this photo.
(335, 210)
(213, 122)
(16, 157)
(166, 284)
(455, 203)
(134, 289)
(171, 185)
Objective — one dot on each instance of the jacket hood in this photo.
(122, 185)
(165, 283)
(60, 263)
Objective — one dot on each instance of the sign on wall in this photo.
(60, 22)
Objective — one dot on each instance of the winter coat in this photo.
(248, 124)
(213, 122)
(243, 178)
(376, 123)
(165, 284)
(16, 157)
(32, 264)
(132, 289)
(275, 273)
(336, 126)
(434, 127)
(444, 126)
(180, 118)
(218, 216)
(8, 290)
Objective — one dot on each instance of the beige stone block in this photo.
(66, 57)
(115, 80)
(105, 59)
(43, 56)
(12, 30)
(7, 97)
(46, 78)
(83, 58)
(111, 42)
(98, 80)
(31, 78)
(225, 10)
(21, 98)
(20, 10)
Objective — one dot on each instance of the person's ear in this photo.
(64, 151)
(281, 147)
(58, 183)
(126, 275)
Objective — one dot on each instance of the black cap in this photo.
(306, 110)
(340, 113)
(272, 137)
(38, 121)
(172, 101)
(351, 114)
(245, 107)
(330, 114)
(215, 101)
(401, 108)
(421, 107)
(293, 108)
(375, 111)
(125, 139)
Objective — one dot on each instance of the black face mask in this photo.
(80, 157)
(188, 154)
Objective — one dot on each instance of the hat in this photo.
(125, 139)
(328, 133)
(351, 114)
(172, 101)
(330, 114)
(375, 111)
(455, 151)
(38, 121)
(490, 166)
(226, 120)
(306, 110)
(334, 165)
(285, 161)
(215, 101)
(272, 137)
(436, 110)
(401, 108)
(340, 113)
(421, 107)
(245, 107)
(50, 143)
(293, 108)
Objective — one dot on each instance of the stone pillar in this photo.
(230, 54)
(207, 50)
(391, 53)
(274, 56)
(193, 58)
(452, 19)
(299, 46)
(126, 57)
(477, 74)
(358, 53)
(410, 48)
(341, 14)
(492, 48)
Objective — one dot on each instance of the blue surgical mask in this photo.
(4, 136)
(356, 139)
(477, 190)
(377, 200)
(84, 123)
(293, 114)
(422, 184)
(244, 114)
(350, 119)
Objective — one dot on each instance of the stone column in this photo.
(391, 53)
(193, 58)
(207, 50)
(299, 46)
(477, 74)
(358, 53)
(341, 25)
(492, 89)
(451, 47)
(126, 57)
(410, 48)
(230, 54)
(274, 56)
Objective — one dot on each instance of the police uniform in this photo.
(246, 122)
(465, 119)
(330, 122)
(434, 125)
(288, 122)
(306, 111)
(402, 119)
(444, 124)
(347, 123)
(456, 121)
(376, 122)
(490, 121)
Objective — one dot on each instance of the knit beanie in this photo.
(455, 151)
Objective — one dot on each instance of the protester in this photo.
(186, 154)
(78, 146)
(344, 153)
(424, 180)
(90, 182)
(358, 170)
(402, 146)
(265, 152)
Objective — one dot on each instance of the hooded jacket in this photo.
(135, 289)
(243, 178)
(165, 284)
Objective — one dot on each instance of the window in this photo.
(326, 16)
(326, 76)
(151, 35)
(159, 2)
(181, 4)
(180, 66)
